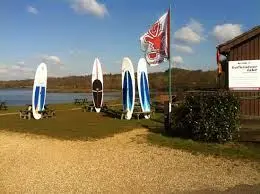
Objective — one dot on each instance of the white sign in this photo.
(244, 75)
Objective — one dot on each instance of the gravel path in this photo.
(124, 163)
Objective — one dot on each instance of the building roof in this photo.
(225, 47)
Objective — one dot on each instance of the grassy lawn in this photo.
(11, 109)
(73, 125)
(229, 150)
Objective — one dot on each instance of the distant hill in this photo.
(181, 79)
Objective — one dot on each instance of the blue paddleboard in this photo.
(128, 87)
(143, 86)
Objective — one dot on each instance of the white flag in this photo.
(155, 42)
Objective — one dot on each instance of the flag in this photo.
(156, 42)
(219, 63)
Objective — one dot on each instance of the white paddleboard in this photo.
(128, 87)
(143, 86)
(39, 90)
(97, 85)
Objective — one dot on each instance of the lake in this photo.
(20, 97)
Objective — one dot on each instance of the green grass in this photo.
(232, 150)
(229, 150)
(66, 106)
(73, 125)
(68, 124)
(11, 109)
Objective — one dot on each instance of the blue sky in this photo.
(69, 34)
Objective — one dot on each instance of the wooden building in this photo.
(243, 47)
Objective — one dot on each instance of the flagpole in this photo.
(170, 67)
(168, 126)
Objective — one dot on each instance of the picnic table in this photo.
(27, 113)
(80, 101)
(88, 107)
(3, 106)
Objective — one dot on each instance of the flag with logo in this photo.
(156, 42)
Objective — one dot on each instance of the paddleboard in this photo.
(143, 86)
(97, 85)
(128, 87)
(39, 90)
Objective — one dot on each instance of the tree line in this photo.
(181, 80)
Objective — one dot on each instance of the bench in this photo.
(25, 114)
(48, 113)
(3, 106)
(137, 114)
(80, 101)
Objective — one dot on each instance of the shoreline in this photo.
(51, 90)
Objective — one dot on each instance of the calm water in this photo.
(17, 97)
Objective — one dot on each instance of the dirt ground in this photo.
(125, 163)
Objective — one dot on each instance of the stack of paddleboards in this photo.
(39, 90)
(97, 85)
(128, 87)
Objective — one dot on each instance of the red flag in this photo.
(156, 42)
(219, 63)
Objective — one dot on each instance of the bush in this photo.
(209, 117)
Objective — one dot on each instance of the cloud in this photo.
(226, 32)
(73, 52)
(183, 48)
(192, 33)
(3, 69)
(89, 7)
(76, 52)
(17, 71)
(32, 10)
(118, 62)
(52, 60)
(21, 67)
(21, 63)
(177, 60)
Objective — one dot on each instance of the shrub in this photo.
(209, 117)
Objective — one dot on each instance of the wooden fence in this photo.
(249, 101)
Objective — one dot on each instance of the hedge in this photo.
(209, 117)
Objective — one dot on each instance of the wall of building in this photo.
(250, 100)
(248, 50)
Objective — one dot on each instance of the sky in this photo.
(68, 34)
